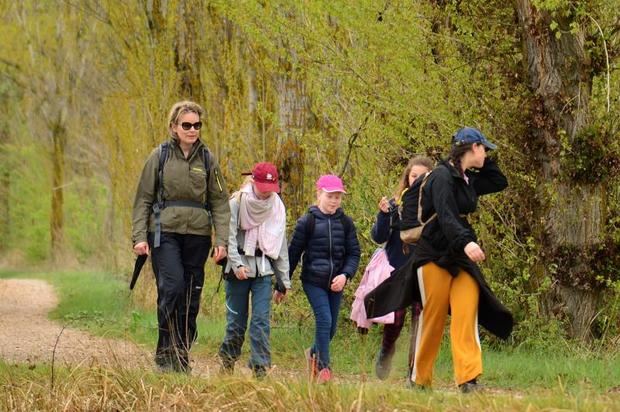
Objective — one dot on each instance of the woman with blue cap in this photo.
(442, 273)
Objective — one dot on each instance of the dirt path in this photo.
(28, 336)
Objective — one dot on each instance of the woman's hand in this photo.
(474, 252)
(338, 283)
(219, 253)
(384, 204)
(242, 273)
(141, 248)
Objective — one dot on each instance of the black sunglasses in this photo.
(188, 125)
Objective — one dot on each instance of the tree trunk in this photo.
(187, 53)
(5, 208)
(58, 180)
(293, 112)
(560, 78)
(5, 192)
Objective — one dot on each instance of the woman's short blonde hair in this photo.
(180, 108)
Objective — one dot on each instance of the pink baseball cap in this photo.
(265, 176)
(330, 183)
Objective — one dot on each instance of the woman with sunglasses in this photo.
(180, 196)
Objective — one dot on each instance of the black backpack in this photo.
(410, 211)
(161, 204)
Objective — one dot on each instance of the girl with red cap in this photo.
(257, 251)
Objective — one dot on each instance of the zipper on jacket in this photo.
(217, 179)
(331, 261)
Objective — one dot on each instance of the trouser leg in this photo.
(260, 356)
(391, 332)
(169, 273)
(413, 333)
(465, 342)
(237, 298)
(434, 283)
(194, 254)
(319, 301)
(335, 299)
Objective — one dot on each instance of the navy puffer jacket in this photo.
(328, 251)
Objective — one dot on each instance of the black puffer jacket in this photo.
(330, 250)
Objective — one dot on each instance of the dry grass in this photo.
(120, 389)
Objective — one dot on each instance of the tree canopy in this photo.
(354, 88)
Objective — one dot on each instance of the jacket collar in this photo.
(453, 172)
(198, 144)
(317, 213)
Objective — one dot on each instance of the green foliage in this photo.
(28, 217)
(85, 211)
(592, 156)
(309, 84)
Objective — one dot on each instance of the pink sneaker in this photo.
(324, 376)
(312, 363)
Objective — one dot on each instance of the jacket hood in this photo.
(320, 215)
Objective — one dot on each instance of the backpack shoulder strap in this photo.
(347, 224)
(310, 223)
(424, 181)
(206, 160)
(164, 150)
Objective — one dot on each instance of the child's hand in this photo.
(242, 273)
(278, 296)
(338, 283)
(384, 205)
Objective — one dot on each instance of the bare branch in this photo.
(54, 356)
(351, 142)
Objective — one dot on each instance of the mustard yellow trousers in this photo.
(441, 291)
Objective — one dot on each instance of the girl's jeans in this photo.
(325, 305)
(237, 305)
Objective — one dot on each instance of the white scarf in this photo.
(264, 222)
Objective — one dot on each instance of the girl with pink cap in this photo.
(327, 239)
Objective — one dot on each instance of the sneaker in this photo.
(167, 364)
(383, 365)
(259, 371)
(324, 376)
(312, 363)
(470, 386)
(228, 366)
(417, 387)
(165, 368)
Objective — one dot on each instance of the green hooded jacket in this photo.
(184, 179)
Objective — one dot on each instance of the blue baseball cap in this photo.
(468, 135)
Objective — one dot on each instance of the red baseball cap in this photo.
(265, 176)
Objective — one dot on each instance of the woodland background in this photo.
(350, 87)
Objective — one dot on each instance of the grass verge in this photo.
(101, 304)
